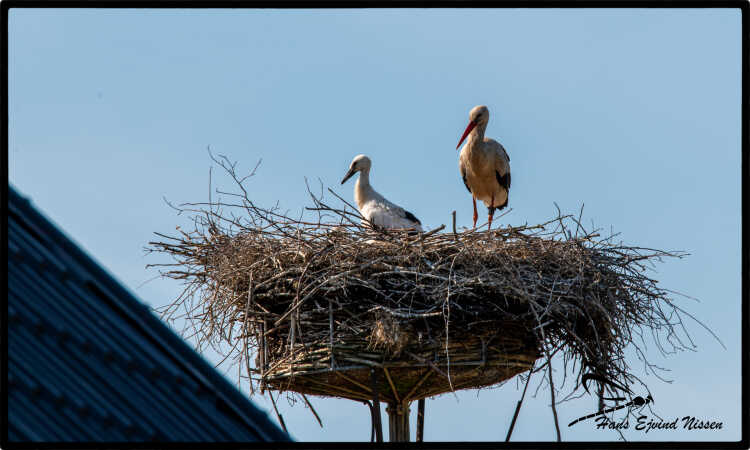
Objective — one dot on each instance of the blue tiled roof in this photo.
(87, 361)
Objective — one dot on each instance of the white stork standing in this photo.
(373, 206)
(484, 165)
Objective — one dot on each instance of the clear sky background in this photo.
(634, 113)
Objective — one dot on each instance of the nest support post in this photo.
(398, 421)
(420, 420)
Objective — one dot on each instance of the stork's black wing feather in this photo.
(411, 217)
(504, 180)
(463, 176)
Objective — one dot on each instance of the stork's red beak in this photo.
(469, 127)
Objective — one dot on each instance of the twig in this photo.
(281, 419)
(518, 405)
(317, 417)
(552, 396)
(455, 235)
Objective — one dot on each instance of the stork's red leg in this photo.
(476, 216)
(491, 212)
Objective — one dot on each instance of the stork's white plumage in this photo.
(484, 165)
(373, 206)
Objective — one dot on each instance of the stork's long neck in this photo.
(477, 134)
(362, 190)
(474, 144)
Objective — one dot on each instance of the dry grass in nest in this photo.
(320, 303)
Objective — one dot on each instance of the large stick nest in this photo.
(321, 302)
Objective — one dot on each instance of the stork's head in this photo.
(359, 163)
(479, 115)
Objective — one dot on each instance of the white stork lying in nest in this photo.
(373, 206)
(484, 165)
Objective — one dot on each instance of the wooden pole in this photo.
(376, 406)
(398, 421)
(420, 420)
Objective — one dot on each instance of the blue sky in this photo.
(634, 113)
